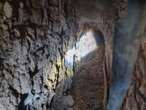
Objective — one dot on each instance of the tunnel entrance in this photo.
(85, 48)
(89, 83)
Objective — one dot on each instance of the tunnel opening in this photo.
(87, 59)
(85, 48)
(44, 66)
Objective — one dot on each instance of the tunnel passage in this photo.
(34, 35)
(85, 48)
(89, 80)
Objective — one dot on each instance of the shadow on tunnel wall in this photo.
(21, 104)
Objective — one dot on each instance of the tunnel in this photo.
(72, 55)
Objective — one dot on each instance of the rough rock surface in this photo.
(34, 36)
(89, 83)
(136, 97)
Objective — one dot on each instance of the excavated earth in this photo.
(34, 37)
(89, 83)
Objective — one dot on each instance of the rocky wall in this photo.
(34, 36)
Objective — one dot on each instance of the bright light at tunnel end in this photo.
(86, 44)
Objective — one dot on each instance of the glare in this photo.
(86, 44)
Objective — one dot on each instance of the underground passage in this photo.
(72, 55)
